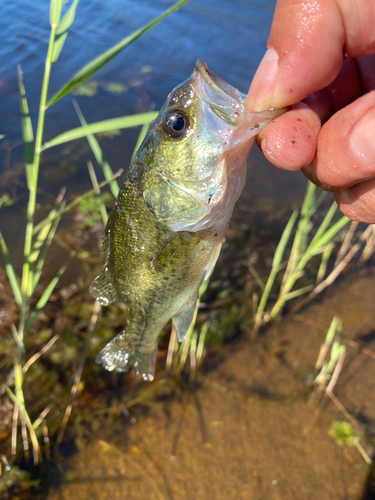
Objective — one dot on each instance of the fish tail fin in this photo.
(123, 352)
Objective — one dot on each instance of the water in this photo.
(230, 37)
(248, 432)
(233, 45)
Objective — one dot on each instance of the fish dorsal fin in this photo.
(103, 290)
(184, 320)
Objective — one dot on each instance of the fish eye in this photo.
(176, 123)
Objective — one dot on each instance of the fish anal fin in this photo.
(124, 352)
(103, 290)
(184, 320)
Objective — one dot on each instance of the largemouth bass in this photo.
(164, 234)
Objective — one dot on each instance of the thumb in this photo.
(306, 48)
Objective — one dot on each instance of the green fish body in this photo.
(164, 234)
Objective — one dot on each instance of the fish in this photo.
(164, 234)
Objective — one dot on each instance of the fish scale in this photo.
(153, 269)
(164, 235)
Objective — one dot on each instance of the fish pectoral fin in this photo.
(123, 352)
(103, 290)
(184, 320)
(175, 251)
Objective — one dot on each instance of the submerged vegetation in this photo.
(55, 328)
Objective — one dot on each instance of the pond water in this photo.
(229, 36)
(249, 427)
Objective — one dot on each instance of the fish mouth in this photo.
(225, 101)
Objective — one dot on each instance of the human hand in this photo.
(321, 52)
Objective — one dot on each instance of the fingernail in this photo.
(362, 138)
(260, 93)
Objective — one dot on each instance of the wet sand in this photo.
(251, 429)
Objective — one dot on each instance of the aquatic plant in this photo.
(344, 434)
(329, 363)
(330, 367)
(313, 237)
(39, 237)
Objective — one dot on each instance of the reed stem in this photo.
(32, 180)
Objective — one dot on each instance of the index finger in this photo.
(307, 46)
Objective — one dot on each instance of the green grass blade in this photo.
(94, 66)
(142, 133)
(257, 278)
(50, 217)
(186, 343)
(55, 12)
(322, 196)
(98, 153)
(309, 201)
(325, 223)
(63, 29)
(95, 185)
(279, 252)
(313, 249)
(100, 127)
(12, 276)
(41, 239)
(27, 128)
(68, 18)
(46, 294)
(298, 293)
(327, 236)
(327, 343)
(324, 262)
(18, 341)
(284, 240)
(45, 238)
(298, 247)
(19, 400)
(202, 337)
(309, 207)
